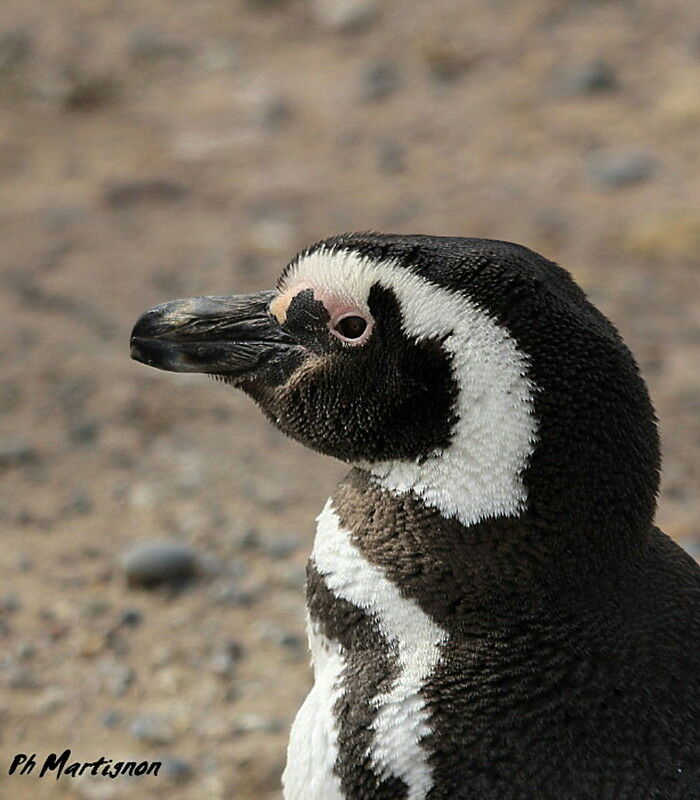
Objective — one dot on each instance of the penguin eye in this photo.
(350, 328)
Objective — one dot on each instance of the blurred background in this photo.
(155, 528)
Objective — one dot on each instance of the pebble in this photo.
(275, 113)
(220, 56)
(380, 80)
(86, 92)
(447, 62)
(85, 432)
(391, 157)
(15, 451)
(281, 547)
(158, 191)
(593, 78)
(15, 49)
(95, 608)
(79, 503)
(10, 396)
(232, 594)
(48, 701)
(21, 678)
(189, 472)
(149, 44)
(117, 677)
(224, 660)
(130, 617)
(620, 169)
(271, 632)
(111, 719)
(251, 723)
(176, 769)
(10, 602)
(346, 16)
(248, 539)
(151, 563)
(152, 729)
(222, 664)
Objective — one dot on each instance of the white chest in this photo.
(401, 719)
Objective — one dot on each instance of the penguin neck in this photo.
(451, 569)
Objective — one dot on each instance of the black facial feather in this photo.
(596, 461)
(388, 399)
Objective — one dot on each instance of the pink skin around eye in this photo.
(337, 309)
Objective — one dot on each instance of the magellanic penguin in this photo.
(492, 613)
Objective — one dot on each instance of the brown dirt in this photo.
(161, 149)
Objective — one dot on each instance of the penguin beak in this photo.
(234, 336)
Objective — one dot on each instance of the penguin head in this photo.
(471, 372)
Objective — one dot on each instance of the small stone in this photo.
(86, 92)
(21, 678)
(148, 44)
(232, 594)
(190, 473)
(15, 451)
(26, 651)
(111, 719)
(152, 729)
(48, 701)
(15, 49)
(249, 539)
(447, 62)
(10, 396)
(252, 723)
(275, 113)
(224, 660)
(346, 16)
(271, 632)
(91, 644)
(176, 769)
(390, 157)
(10, 602)
(282, 546)
(79, 503)
(95, 608)
(156, 191)
(620, 169)
(593, 78)
(85, 431)
(221, 56)
(118, 677)
(130, 618)
(380, 80)
(153, 563)
(293, 641)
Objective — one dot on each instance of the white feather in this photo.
(313, 745)
(480, 474)
(401, 722)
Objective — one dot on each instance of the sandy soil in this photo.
(162, 149)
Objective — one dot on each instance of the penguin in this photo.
(492, 613)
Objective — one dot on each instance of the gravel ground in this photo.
(155, 527)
